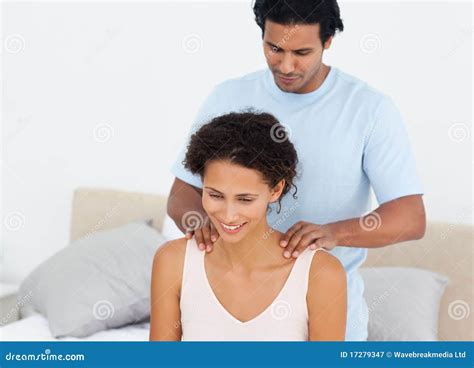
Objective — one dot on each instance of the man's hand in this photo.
(304, 234)
(206, 235)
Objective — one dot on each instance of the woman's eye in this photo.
(245, 200)
(217, 196)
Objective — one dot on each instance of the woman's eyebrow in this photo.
(237, 195)
(213, 189)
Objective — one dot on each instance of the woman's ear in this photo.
(277, 190)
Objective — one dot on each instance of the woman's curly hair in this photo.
(255, 140)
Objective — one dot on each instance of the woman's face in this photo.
(236, 199)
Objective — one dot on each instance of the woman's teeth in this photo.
(232, 228)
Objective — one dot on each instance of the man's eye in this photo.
(302, 53)
(275, 49)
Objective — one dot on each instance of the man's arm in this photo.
(395, 221)
(185, 208)
(183, 199)
(389, 164)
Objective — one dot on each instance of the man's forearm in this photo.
(185, 205)
(393, 222)
(187, 217)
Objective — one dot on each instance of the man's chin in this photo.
(287, 87)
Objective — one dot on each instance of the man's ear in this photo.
(327, 44)
(277, 190)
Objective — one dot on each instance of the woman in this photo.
(244, 290)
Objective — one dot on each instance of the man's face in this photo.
(294, 55)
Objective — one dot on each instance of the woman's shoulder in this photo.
(172, 248)
(326, 269)
(327, 298)
(169, 258)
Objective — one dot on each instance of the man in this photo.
(349, 137)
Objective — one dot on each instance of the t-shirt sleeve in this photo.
(388, 159)
(208, 110)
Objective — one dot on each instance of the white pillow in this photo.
(403, 303)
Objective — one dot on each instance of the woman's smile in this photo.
(232, 229)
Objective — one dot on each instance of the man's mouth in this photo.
(287, 80)
(232, 229)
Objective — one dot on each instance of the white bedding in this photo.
(36, 328)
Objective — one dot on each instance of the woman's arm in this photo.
(165, 315)
(327, 298)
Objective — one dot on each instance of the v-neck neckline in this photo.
(230, 315)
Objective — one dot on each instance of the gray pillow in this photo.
(99, 282)
(403, 303)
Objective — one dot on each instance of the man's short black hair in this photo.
(324, 12)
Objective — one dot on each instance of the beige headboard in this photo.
(446, 248)
(96, 209)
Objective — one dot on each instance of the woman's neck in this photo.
(258, 248)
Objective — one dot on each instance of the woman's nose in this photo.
(231, 214)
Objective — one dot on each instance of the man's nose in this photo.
(287, 64)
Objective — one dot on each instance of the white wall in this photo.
(102, 94)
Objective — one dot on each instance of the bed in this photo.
(446, 248)
(36, 328)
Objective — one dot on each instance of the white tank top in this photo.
(203, 318)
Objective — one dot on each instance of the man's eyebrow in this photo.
(237, 195)
(299, 50)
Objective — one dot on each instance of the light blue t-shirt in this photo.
(348, 137)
